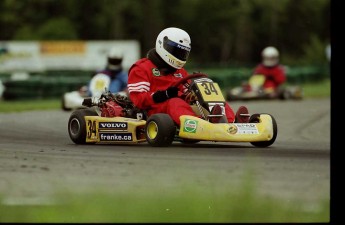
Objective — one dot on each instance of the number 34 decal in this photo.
(210, 91)
(209, 88)
(91, 129)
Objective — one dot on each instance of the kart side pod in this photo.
(263, 131)
(114, 130)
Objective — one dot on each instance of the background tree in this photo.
(224, 32)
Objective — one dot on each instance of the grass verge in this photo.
(27, 105)
(318, 89)
(188, 205)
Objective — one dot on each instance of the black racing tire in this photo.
(63, 104)
(255, 118)
(286, 94)
(160, 130)
(77, 125)
(230, 97)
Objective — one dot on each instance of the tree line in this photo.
(223, 32)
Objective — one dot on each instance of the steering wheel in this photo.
(184, 81)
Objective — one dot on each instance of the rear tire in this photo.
(255, 118)
(160, 130)
(77, 125)
(230, 97)
(286, 95)
(63, 104)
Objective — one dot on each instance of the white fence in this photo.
(36, 56)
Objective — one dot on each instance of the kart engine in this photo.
(111, 109)
(113, 105)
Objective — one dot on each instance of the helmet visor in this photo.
(114, 61)
(270, 61)
(179, 51)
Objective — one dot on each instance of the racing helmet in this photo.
(270, 56)
(173, 46)
(114, 59)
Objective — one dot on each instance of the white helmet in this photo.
(173, 46)
(270, 56)
(114, 60)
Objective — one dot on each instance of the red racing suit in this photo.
(144, 79)
(275, 76)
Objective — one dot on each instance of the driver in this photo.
(270, 68)
(151, 79)
(112, 77)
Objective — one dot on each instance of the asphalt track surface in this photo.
(37, 158)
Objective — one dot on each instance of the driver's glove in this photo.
(161, 96)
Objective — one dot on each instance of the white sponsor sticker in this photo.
(115, 136)
(247, 128)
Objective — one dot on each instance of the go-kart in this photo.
(74, 99)
(114, 119)
(2, 89)
(253, 90)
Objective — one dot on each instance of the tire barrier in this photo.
(52, 84)
(41, 87)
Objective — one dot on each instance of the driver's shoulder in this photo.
(141, 64)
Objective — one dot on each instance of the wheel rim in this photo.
(74, 126)
(152, 130)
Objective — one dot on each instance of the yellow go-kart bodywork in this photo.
(114, 130)
(199, 129)
(121, 130)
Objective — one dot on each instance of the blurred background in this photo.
(48, 47)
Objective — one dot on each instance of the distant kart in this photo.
(113, 119)
(74, 99)
(2, 89)
(253, 90)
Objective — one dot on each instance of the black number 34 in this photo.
(209, 88)
(92, 128)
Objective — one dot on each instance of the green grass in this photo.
(157, 205)
(27, 105)
(318, 89)
(311, 90)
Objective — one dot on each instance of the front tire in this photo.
(77, 125)
(255, 118)
(160, 130)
